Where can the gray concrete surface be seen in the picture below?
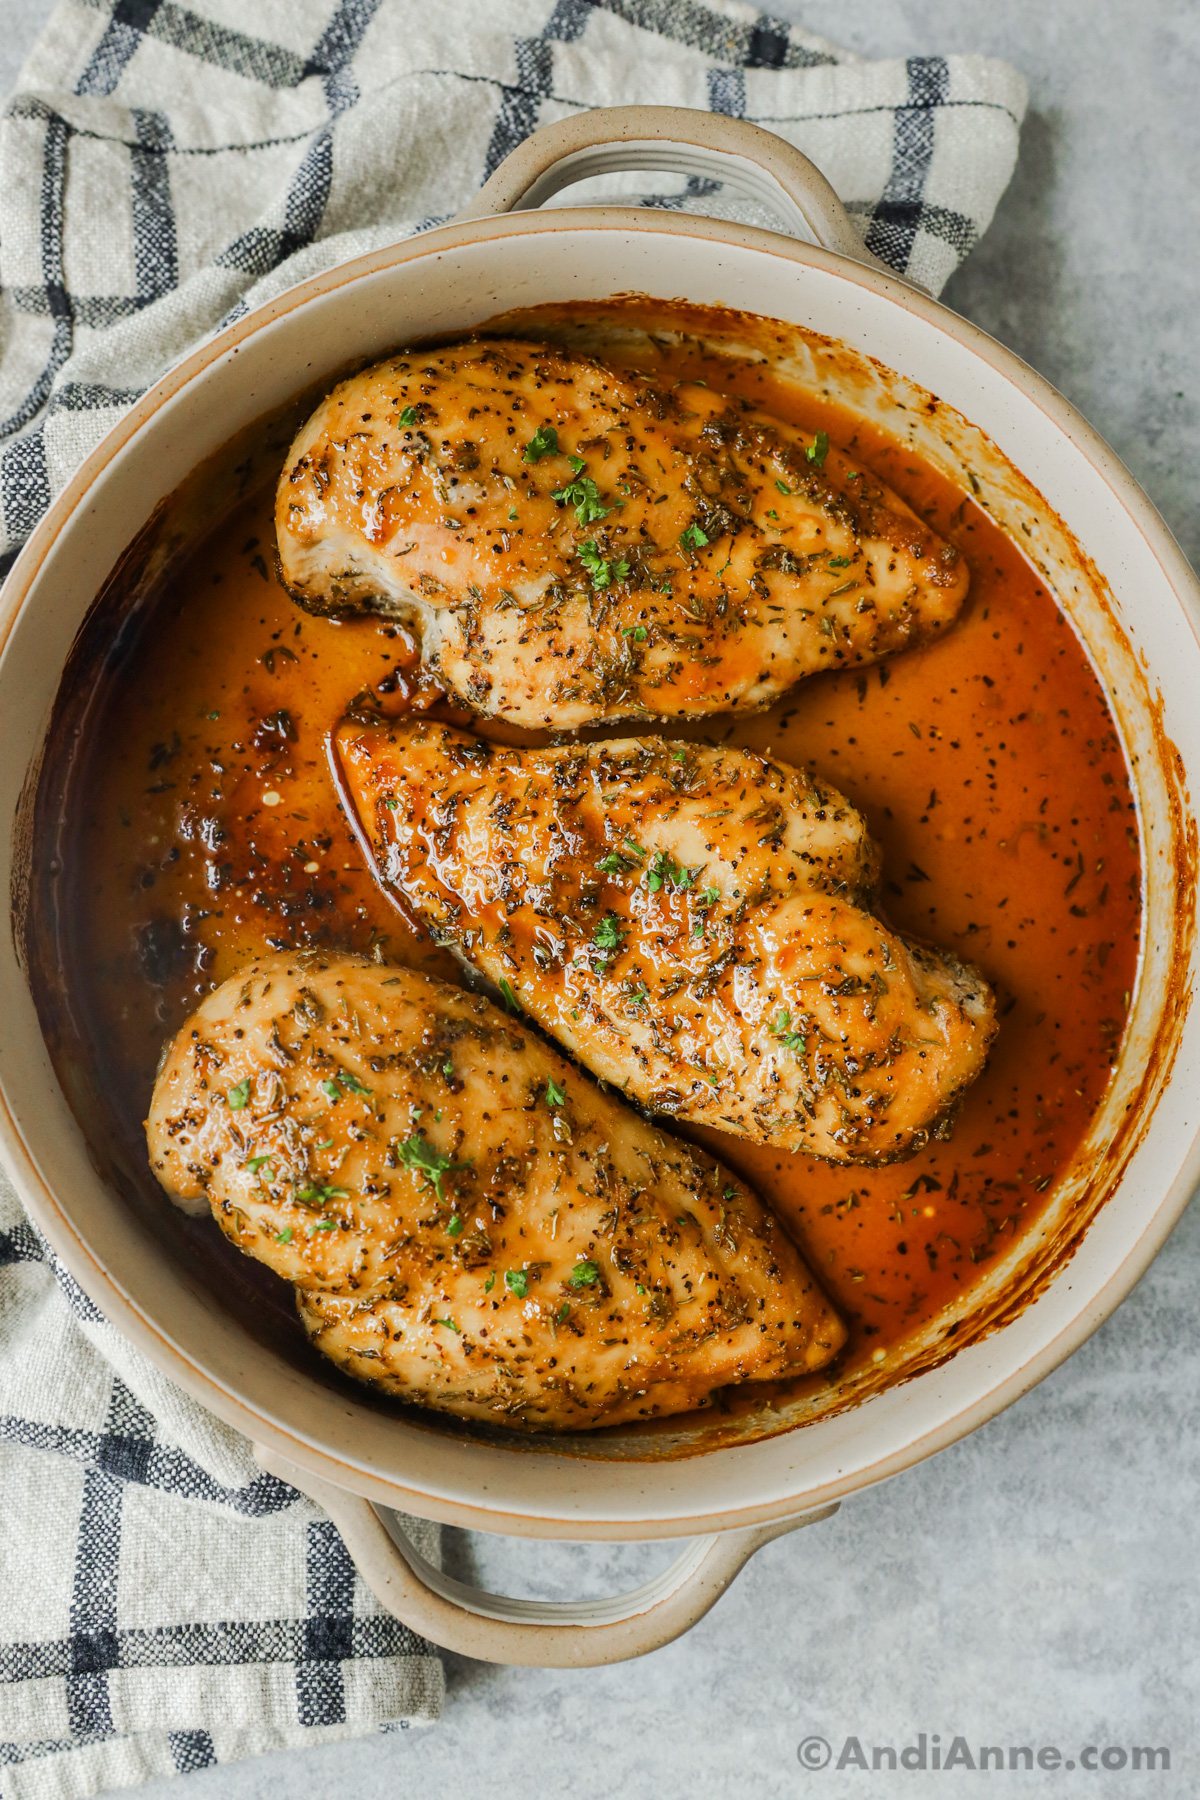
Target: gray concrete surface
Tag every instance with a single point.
(1036, 1583)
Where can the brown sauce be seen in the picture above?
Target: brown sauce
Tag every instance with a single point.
(204, 827)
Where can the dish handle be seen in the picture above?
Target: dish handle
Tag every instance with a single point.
(681, 140)
(546, 1634)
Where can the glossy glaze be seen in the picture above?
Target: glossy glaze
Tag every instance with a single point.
(985, 764)
(574, 543)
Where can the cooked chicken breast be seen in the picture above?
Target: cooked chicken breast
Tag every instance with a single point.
(469, 1222)
(576, 543)
(693, 923)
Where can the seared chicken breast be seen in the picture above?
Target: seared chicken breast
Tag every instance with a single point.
(468, 1221)
(576, 543)
(694, 924)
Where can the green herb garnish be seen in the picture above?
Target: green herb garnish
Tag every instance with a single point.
(818, 451)
(603, 573)
(319, 1192)
(555, 1095)
(612, 864)
(517, 1282)
(454, 1225)
(418, 1154)
(507, 995)
(839, 562)
(255, 1163)
(239, 1096)
(323, 1225)
(490, 1283)
(342, 1082)
(450, 1323)
(782, 486)
(694, 538)
(284, 1236)
(544, 442)
(663, 869)
(781, 1028)
(608, 934)
(584, 496)
(584, 1274)
(408, 417)
(637, 632)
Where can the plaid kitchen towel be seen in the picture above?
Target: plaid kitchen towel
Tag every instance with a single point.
(163, 168)
(164, 1604)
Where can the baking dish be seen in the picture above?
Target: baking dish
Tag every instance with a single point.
(976, 412)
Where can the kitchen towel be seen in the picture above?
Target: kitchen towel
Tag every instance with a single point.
(164, 1603)
(163, 169)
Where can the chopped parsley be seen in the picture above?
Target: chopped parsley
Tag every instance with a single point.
(608, 934)
(710, 896)
(544, 442)
(454, 1225)
(490, 1283)
(818, 450)
(239, 1096)
(782, 486)
(451, 1324)
(603, 573)
(636, 848)
(781, 1028)
(578, 464)
(255, 1163)
(517, 1282)
(612, 864)
(325, 1144)
(418, 1154)
(343, 1082)
(323, 1225)
(728, 1193)
(584, 1274)
(584, 496)
(663, 869)
(448, 1071)
(636, 632)
(408, 417)
(284, 1236)
(507, 995)
(555, 1095)
(318, 1193)
(694, 538)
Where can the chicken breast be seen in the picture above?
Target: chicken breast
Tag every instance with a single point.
(468, 1221)
(576, 543)
(693, 923)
